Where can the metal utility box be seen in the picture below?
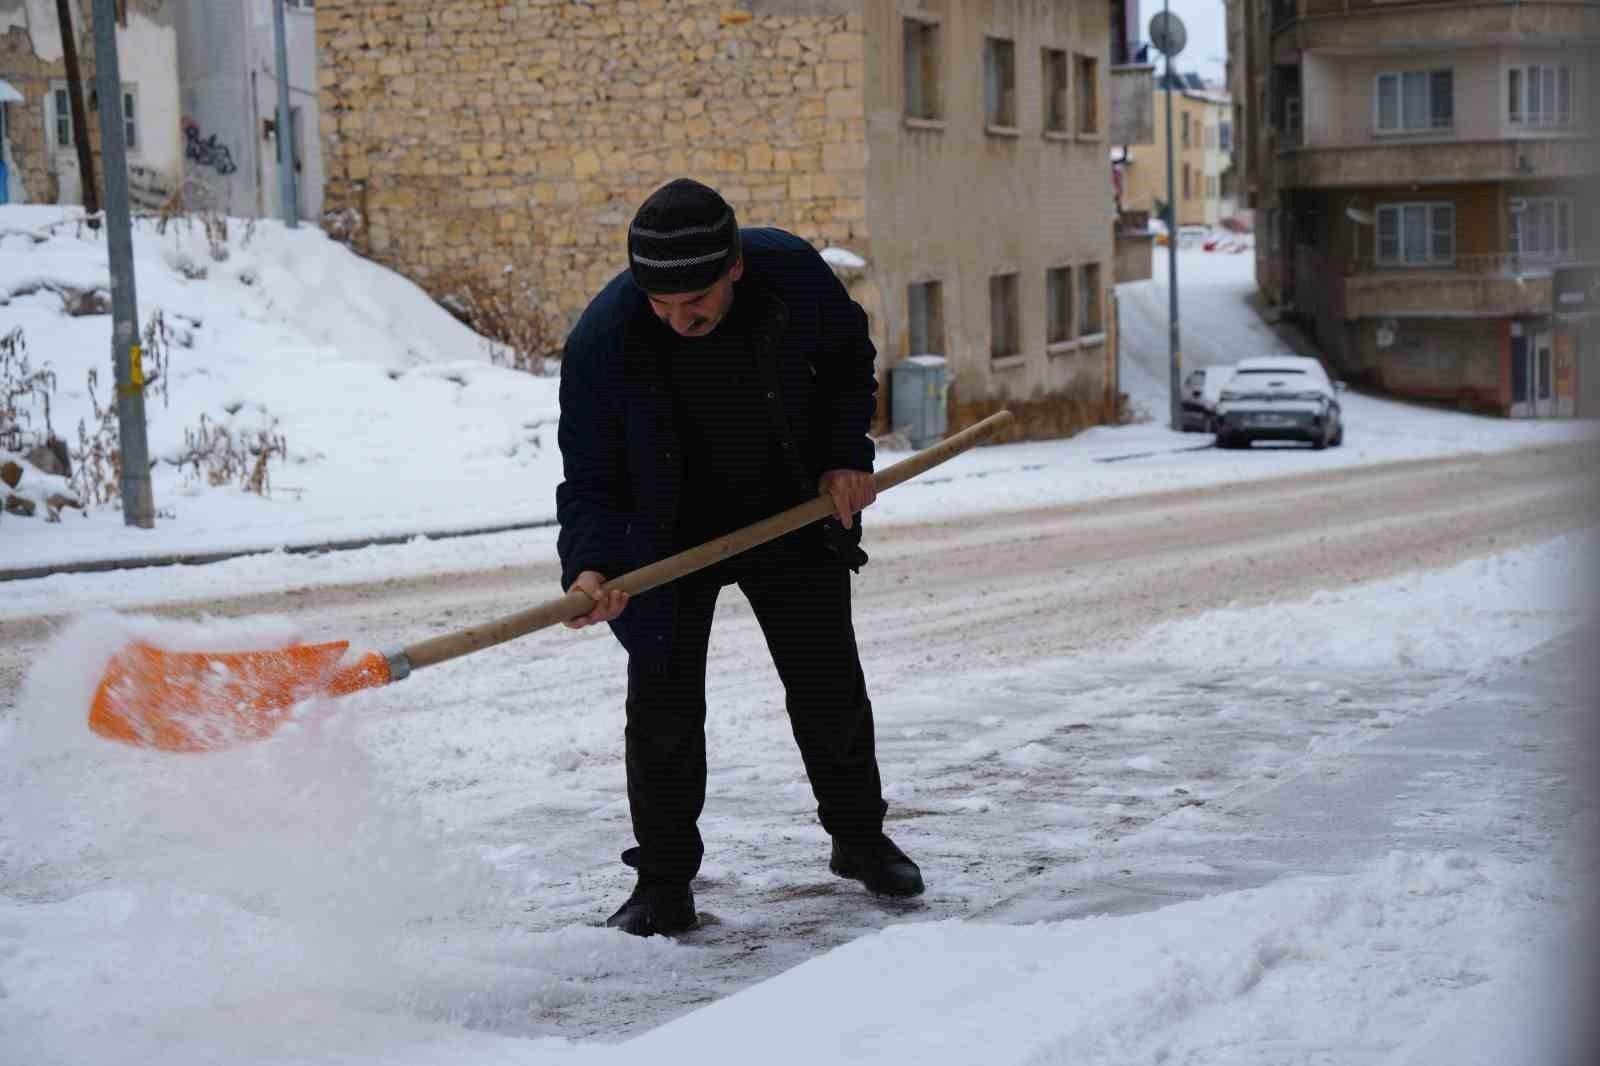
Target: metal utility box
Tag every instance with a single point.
(918, 387)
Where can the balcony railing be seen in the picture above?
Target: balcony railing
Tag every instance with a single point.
(1490, 264)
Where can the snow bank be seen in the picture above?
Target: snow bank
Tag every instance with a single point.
(1466, 617)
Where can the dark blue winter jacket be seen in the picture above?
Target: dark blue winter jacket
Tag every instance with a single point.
(618, 504)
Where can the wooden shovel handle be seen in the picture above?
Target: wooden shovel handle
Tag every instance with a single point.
(574, 604)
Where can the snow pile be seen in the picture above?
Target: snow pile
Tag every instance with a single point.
(1279, 974)
(391, 410)
(1466, 617)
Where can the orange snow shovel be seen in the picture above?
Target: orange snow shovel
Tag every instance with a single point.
(204, 701)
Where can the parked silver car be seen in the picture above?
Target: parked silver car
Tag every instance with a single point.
(1201, 390)
(1280, 397)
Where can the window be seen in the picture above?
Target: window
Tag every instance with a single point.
(1186, 193)
(1225, 136)
(999, 82)
(1540, 95)
(1089, 301)
(60, 116)
(1005, 334)
(921, 38)
(1186, 131)
(62, 121)
(1415, 101)
(130, 120)
(1543, 228)
(925, 314)
(1058, 297)
(1416, 234)
(1086, 90)
(1056, 115)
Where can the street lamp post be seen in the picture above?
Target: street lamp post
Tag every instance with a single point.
(1167, 33)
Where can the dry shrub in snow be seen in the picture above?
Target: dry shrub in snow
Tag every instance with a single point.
(509, 315)
(1044, 416)
(221, 456)
(23, 391)
(97, 460)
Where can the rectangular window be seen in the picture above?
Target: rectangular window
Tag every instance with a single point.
(999, 82)
(1089, 301)
(1225, 136)
(1539, 95)
(130, 120)
(1058, 296)
(1056, 84)
(1186, 181)
(1005, 317)
(1086, 91)
(1543, 229)
(63, 118)
(1415, 101)
(1186, 131)
(922, 62)
(925, 317)
(1416, 234)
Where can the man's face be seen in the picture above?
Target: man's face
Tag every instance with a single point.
(695, 314)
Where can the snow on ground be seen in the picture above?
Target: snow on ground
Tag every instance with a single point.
(409, 430)
(363, 889)
(316, 899)
(393, 415)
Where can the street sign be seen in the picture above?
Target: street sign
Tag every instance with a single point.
(1167, 33)
(1575, 290)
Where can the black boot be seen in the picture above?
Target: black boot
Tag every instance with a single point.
(878, 864)
(656, 907)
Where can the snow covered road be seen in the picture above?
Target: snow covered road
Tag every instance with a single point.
(1061, 694)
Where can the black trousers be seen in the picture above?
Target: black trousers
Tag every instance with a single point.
(804, 612)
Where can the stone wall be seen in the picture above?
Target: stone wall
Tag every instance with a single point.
(466, 137)
(30, 76)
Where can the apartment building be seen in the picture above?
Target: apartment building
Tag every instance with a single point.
(958, 147)
(1418, 171)
(1202, 129)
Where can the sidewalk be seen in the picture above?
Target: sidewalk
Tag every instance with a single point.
(1515, 761)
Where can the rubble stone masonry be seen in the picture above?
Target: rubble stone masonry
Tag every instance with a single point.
(473, 136)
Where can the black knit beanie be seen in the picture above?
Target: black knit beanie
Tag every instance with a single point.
(683, 239)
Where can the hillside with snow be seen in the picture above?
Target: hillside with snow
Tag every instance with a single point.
(392, 412)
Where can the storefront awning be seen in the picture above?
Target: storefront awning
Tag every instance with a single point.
(8, 94)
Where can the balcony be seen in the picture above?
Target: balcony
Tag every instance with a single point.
(1473, 286)
(1360, 25)
(1437, 162)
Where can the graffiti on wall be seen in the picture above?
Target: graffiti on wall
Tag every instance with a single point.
(206, 152)
(148, 189)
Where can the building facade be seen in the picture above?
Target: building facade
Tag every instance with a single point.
(1202, 128)
(1419, 172)
(229, 88)
(38, 144)
(958, 147)
(199, 102)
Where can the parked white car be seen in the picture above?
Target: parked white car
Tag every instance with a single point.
(1202, 389)
(1279, 397)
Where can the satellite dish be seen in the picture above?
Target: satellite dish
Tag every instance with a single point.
(1358, 216)
(1167, 33)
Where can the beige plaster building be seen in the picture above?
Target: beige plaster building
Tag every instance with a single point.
(1202, 126)
(958, 146)
(1419, 173)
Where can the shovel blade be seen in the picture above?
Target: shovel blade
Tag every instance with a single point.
(204, 701)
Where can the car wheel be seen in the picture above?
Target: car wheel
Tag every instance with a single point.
(1320, 441)
(1338, 436)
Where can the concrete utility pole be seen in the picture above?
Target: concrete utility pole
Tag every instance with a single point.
(1170, 39)
(138, 505)
(80, 118)
(288, 191)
